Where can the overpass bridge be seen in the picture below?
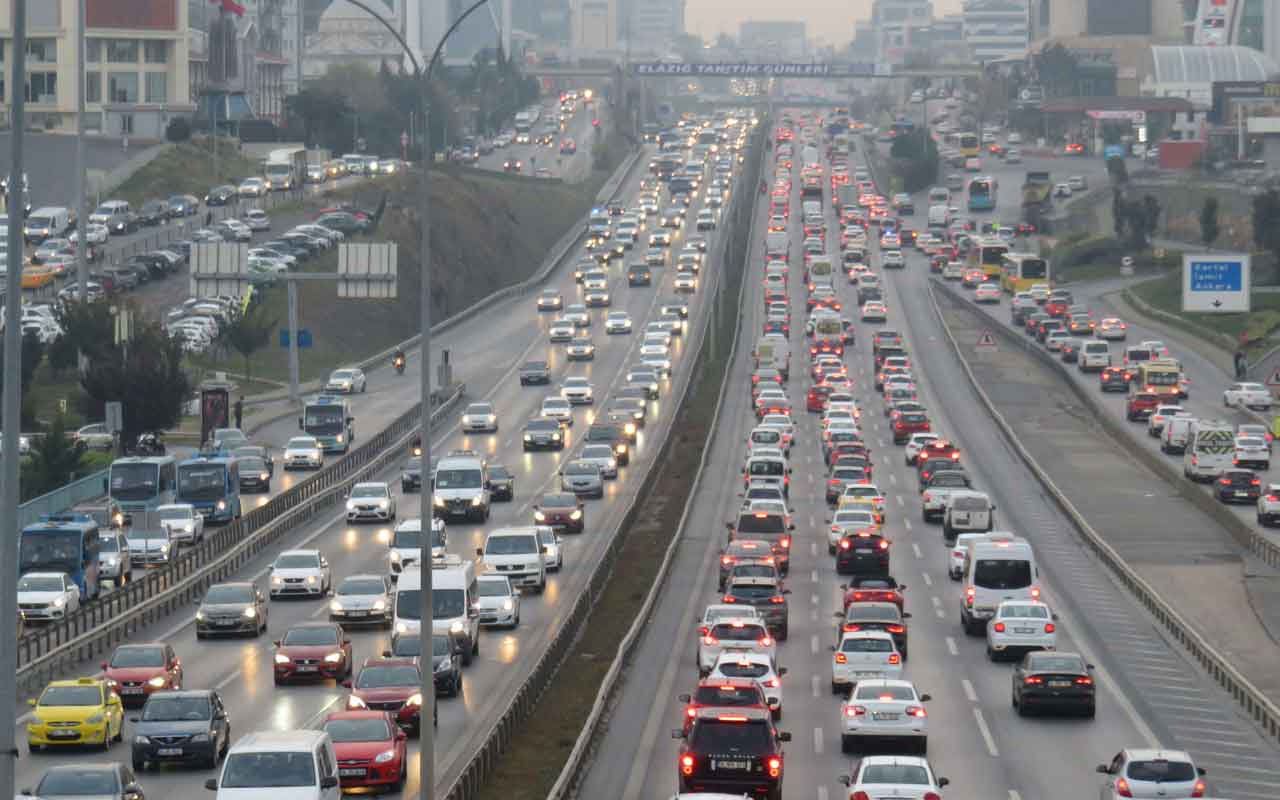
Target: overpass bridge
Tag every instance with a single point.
(748, 70)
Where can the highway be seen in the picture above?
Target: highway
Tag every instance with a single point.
(486, 360)
(978, 741)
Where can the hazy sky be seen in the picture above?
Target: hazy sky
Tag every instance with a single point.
(830, 20)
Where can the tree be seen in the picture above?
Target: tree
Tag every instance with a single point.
(1266, 221)
(178, 130)
(53, 462)
(1136, 219)
(323, 115)
(86, 327)
(247, 333)
(1209, 230)
(1057, 68)
(148, 380)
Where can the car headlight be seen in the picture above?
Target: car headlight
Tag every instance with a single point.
(335, 606)
(355, 702)
(576, 514)
(199, 738)
(456, 626)
(379, 605)
(414, 700)
(507, 605)
(528, 437)
(384, 756)
(140, 739)
(199, 616)
(264, 476)
(351, 505)
(95, 719)
(555, 437)
(333, 658)
(249, 613)
(59, 602)
(281, 658)
(338, 439)
(475, 501)
(164, 548)
(222, 505)
(395, 556)
(539, 516)
(620, 448)
(157, 681)
(311, 579)
(384, 504)
(276, 579)
(110, 563)
(438, 501)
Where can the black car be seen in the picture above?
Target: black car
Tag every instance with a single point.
(122, 277)
(195, 718)
(862, 553)
(446, 666)
(104, 779)
(183, 205)
(1113, 379)
(157, 266)
(613, 435)
(877, 616)
(932, 465)
(259, 452)
(221, 195)
(122, 223)
(639, 275)
(502, 484)
(411, 475)
(1058, 681)
(343, 222)
(633, 406)
(153, 212)
(543, 434)
(254, 475)
(534, 372)
(738, 753)
(1238, 486)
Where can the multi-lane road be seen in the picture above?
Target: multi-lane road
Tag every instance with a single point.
(977, 740)
(486, 360)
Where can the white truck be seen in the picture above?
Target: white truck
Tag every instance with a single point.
(286, 168)
(1210, 447)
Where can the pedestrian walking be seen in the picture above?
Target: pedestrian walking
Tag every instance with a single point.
(239, 410)
(1241, 365)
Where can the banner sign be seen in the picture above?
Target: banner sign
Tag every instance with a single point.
(749, 70)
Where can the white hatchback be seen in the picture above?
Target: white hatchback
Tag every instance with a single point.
(861, 655)
(1020, 626)
(758, 666)
(734, 635)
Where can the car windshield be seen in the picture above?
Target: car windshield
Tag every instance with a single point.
(559, 501)
(1002, 573)
(29, 583)
(229, 595)
(510, 545)
(457, 478)
(303, 443)
(751, 738)
(730, 632)
(138, 657)
(1160, 770)
(1024, 612)
(1041, 662)
(71, 696)
(500, 588)
(108, 544)
(479, 409)
(766, 467)
(753, 591)
(361, 586)
(76, 781)
(310, 637)
(166, 707)
(866, 644)
(499, 473)
(365, 729)
(264, 770)
(895, 773)
(872, 692)
(369, 491)
(581, 468)
(297, 561)
(378, 677)
(754, 571)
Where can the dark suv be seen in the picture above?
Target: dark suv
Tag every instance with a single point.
(188, 726)
(1238, 486)
(876, 616)
(738, 752)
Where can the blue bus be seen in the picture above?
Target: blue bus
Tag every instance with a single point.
(982, 194)
(211, 483)
(63, 543)
(143, 483)
(328, 418)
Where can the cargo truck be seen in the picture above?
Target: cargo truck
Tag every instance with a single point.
(1037, 189)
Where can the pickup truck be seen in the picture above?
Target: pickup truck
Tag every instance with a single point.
(933, 500)
(534, 372)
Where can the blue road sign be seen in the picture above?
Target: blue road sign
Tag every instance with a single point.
(1216, 282)
(1216, 276)
(304, 338)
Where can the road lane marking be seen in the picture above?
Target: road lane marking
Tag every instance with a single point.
(1013, 795)
(814, 683)
(970, 694)
(814, 576)
(813, 548)
(915, 548)
(927, 580)
(951, 646)
(894, 480)
(813, 598)
(814, 644)
(822, 793)
(986, 733)
(906, 523)
(817, 740)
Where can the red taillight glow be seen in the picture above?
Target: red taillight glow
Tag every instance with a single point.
(998, 627)
(691, 712)
(894, 658)
(841, 658)
(916, 711)
(1035, 592)
(1122, 788)
(1032, 680)
(1049, 627)
(854, 711)
(1082, 681)
(1199, 789)
(777, 599)
(844, 544)
(786, 541)
(860, 796)
(764, 641)
(686, 764)
(895, 629)
(710, 641)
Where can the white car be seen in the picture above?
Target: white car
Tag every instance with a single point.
(1253, 396)
(955, 558)
(95, 436)
(597, 298)
(743, 664)
(94, 233)
(257, 220)
(890, 241)
(1162, 414)
(617, 322)
(1269, 506)
(558, 408)
(550, 300)
(47, 595)
(718, 612)
(706, 220)
(897, 777)
(848, 521)
(252, 187)
(578, 315)
(300, 572)
(1061, 190)
(182, 521)
(580, 348)
(734, 635)
(363, 599)
(953, 271)
(499, 601)
(561, 330)
(879, 710)
(863, 654)
(603, 457)
(371, 500)
(892, 258)
(685, 282)
(479, 418)
(1019, 626)
(1111, 328)
(917, 443)
(553, 549)
(303, 452)
(987, 293)
(577, 390)
(873, 311)
(1252, 452)
(347, 380)
(595, 280)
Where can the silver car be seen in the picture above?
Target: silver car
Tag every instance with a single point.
(551, 542)
(582, 478)
(1144, 773)
(362, 599)
(499, 602)
(602, 456)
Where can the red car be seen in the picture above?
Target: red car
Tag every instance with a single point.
(561, 510)
(910, 422)
(1073, 149)
(868, 589)
(135, 671)
(723, 694)
(393, 685)
(313, 651)
(816, 399)
(370, 748)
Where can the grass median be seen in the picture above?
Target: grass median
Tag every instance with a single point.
(1165, 294)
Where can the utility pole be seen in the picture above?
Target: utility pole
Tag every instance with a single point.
(300, 48)
(82, 247)
(12, 406)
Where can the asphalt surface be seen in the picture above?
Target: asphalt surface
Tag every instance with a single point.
(978, 741)
(486, 361)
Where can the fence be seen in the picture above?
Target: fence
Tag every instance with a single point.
(62, 498)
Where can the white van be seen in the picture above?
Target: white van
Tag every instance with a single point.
(1210, 448)
(405, 546)
(821, 272)
(967, 512)
(287, 765)
(940, 195)
(777, 244)
(461, 483)
(771, 352)
(454, 595)
(998, 567)
(1176, 434)
(47, 223)
(517, 554)
(1094, 355)
(768, 469)
(109, 208)
(939, 216)
(811, 208)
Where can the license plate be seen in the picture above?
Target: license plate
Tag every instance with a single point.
(883, 715)
(351, 772)
(866, 673)
(1059, 684)
(307, 668)
(225, 623)
(131, 690)
(864, 550)
(357, 613)
(720, 764)
(62, 734)
(1024, 630)
(169, 751)
(1242, 494)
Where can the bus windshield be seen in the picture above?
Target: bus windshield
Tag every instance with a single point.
(324, 419)
(202, 481)
(1161, 377)
(51, 551)
(1034, 268)
(991, 254)
(134, 481)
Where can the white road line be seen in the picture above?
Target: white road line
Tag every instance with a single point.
(951, 647)
(813, 523)
(814, 644)
(822, 793)
(814, 576)
(813, 614)
(927, 580)
(893, 479)
(813, 548)
(315, 718)
(813, 598)
(898, 497)
(986, 733)
(1013, 795)
(817, 740)
(815, 684)
(969, 692)
(939, 613)
(906, 523)
(915, 548)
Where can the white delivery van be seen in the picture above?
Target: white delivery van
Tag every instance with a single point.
(454, 596)
(939, 215)
(811, 208)
(517, 554)
(967, 512)
(461, 483)
(821, 272)
(771, 352)
(998, 567)
(47, 223)
(771, 469)
(287, 765)
(1094, 356)
(1210, 448)
(1176, 434)
(405, 546)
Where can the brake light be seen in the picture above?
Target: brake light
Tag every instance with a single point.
(860, 796)
(894, 658)
(1084, 681)
(931, 796)
(1122, 788)
(1032, 680)
(686, 764)
(764, 641)
(896, 629)
(728, 598)
(1198, 791)
(916, 711)
(998, 627)
(691, 712)
(844, 544)
(841, 658)
(777, 599)
(1049, 627)
(884, 544)
(772, 683)
(710, 641)
(775, 766)
(851, 627)
(1255, 482)
(726, 560)
(854, 711)
(1035, 592)
(786, 541)
(968, 596)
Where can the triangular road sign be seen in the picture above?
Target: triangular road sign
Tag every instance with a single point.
(985, 341)
(1274, 380)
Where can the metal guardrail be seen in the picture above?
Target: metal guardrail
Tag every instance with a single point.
(1264, 712)
(113, 618)
(481, 765)
(566, 784)
(61, 499)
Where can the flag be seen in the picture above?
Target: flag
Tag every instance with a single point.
(230, 6)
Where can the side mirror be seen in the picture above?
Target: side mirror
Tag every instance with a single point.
(104, 665)
(782, 671)
(276, 643)
(845, 780)
(480, 551)
(1088, 666)
(729, 525)
(943, 782)
(134, 720)
(906, 615)
(329, 782)
(401, 736)
(543, 549)
(1201, 771)
(350, 420)
(211, 784)
(786, 591)
(784, 736)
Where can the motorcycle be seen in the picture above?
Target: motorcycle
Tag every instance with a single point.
(148, 444)
(416, 446)
(398, 363)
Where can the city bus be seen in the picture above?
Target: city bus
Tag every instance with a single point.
(1161, 377)
(968, 143)
(328, 418)
(143, 483)
(1021, 270)
(982, 193)
(63, 543)
(987, 253)
(211, 484)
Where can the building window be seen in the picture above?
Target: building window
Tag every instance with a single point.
(4, 45)
(42, 87)
(42, 51)
(93, 50)
(156, 52)
(122, 87)
(156, 87)
(93, 87)
(126, 123)
(122, 51)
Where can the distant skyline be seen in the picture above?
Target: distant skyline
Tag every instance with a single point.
(829, 20)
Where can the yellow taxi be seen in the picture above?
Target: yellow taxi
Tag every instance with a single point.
(863, 495)
(76, 712)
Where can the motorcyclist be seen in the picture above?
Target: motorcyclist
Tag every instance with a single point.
(398, 360)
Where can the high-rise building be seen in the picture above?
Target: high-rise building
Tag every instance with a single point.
(772, 40)
(1159, 20)
(594, 26)
(650, 26)
(996, 29)
(899, 27)
(1249, 23)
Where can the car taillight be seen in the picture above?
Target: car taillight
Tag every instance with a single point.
(884, 545)
(998, 627)
(968, 596)
(845, 544)
(691, 712)
(931, 796)
(894, 658)
(841, 658)
(726, 560)
(854, 711)
(772, 683)
(777, 599)
(1049, 627)
(957, 553)
(1035, 592)
(896, 629)
(710, 641)
(860, 796)
(775, 766)
(1122, 788)
(1084, 681)
(1032, 680)
(786, 541)
(916, 711)
(728, 598)
(1255, 482)
(686, 764)
(764, 641)
(1199, 789)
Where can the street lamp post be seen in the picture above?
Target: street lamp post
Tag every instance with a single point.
(426, 718)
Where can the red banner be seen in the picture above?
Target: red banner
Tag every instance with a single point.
(136, 14)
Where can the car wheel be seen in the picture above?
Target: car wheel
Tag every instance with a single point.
(1091, 710)
(139, 765)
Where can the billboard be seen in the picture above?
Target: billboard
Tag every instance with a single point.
(154, 15)
(1227, 92)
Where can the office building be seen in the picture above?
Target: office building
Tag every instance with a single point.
(1159, 20)
(593, 26)
(996, 29)
(651, 26)
(774, 40)
(900, 27)
(1248, 23)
